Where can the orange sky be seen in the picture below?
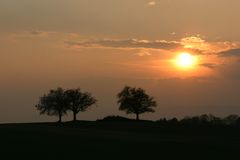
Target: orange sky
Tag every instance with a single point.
(101, 46)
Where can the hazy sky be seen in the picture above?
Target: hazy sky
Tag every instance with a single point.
(103, 45)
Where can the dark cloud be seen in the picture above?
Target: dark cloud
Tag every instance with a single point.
(129, 43)
(230, 53)
(40, 33)
(35, 32)
(209, 65)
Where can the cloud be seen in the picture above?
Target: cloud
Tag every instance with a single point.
(38, 33)
(209, 65)
(123, 44)
(152, 3)
(192, 39)
(144, 47)
(35, 32)
(196, 45)
(230, 53)
(193, 44)
(31, 34)
(200, 46)
(144, 52)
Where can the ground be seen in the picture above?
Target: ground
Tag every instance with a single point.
(117, 140)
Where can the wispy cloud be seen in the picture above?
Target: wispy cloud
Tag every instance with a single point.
(209, 65)
(127, 43)
(144, 52)
(193, 44)
(39, 33)
(201, 46)
(152, 3)
(32, 33)
(230, 53)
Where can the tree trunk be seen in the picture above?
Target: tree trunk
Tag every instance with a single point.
(60, 118)
(137, 116)
(74, 116)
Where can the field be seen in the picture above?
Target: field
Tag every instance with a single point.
(117, 140)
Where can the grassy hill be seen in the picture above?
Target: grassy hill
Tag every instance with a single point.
(117, 140)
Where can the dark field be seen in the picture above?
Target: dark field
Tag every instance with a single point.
(118, 140)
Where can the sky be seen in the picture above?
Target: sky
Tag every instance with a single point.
(102, 46)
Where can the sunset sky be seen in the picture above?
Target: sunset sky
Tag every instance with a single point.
(185, 53)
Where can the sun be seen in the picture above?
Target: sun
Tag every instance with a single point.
(186, 60)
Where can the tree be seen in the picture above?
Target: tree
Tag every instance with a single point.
(231, 119)
(79, 101)
(135, 100)
(53, 103)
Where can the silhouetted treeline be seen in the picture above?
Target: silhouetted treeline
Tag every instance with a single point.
(57, 102)
(135, 101)
(202, 120)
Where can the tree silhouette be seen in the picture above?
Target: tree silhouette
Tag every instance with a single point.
(231, 119)
(79, 101)
(53, 103)
(135, 100)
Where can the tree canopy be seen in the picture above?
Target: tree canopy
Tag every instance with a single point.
(53, 103)
(135, 100)
(79, 101)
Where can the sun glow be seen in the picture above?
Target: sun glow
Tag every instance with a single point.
(186, 60)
